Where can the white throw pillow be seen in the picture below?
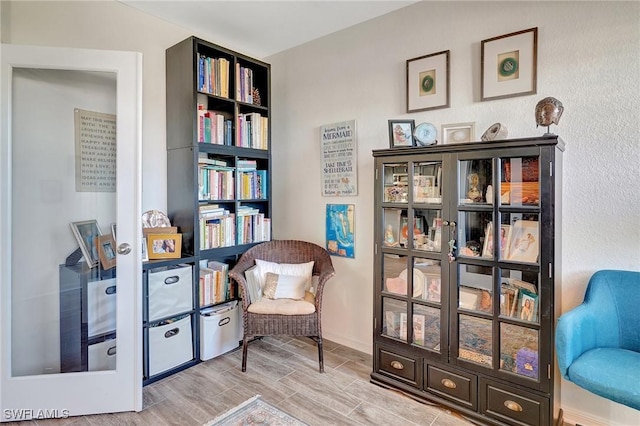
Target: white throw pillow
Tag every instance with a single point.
(295, 269)
(252, 276)
(284, 286)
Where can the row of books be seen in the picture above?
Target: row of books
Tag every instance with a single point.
(252, 226)
(213, 76)
(213, 127)
(217, 228)
(244, 84)
(215, 182)
(252, 185)
(214, 283)
(252, 131)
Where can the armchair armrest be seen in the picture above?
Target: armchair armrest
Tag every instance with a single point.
(576, 333)
(237, 274)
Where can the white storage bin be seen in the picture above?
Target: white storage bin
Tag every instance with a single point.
(170, 292)
(170, 345)
(101, 307)
(220, 330)
(102, 356)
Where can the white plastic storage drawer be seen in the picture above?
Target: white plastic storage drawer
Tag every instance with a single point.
(170, 292)
(102, 356)
(220, 330)
(170, 345)
(101, 307)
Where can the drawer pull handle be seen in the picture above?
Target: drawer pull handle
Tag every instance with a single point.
(397, 365)
(171, 333)
(172, 280)
(512, 405)
(110, 290)
(449, 384)
(111, 351)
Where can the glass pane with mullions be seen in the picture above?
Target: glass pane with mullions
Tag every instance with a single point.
(475, 181)
(396, 181)
(519, 348)
(474, 234)
(426, 327)
(520, 295)
(427, 233)
(475, 288)
(475, 340)
(394, 318)
(427, 182)
(523, 239)
(394, 274)
(519, 183)
(427, 280)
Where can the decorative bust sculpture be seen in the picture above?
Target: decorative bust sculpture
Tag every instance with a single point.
(548, 111)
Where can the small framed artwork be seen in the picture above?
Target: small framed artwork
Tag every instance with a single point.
(508, 65)
(469, 297)
(487, 248)
(401, 133)
(106, 246)
(340, 229)
(433, 288)
(458, 133)
(145, 250)
(164, 246)
(86, 233)
(428, 82)
(528, 306)
(523, 244)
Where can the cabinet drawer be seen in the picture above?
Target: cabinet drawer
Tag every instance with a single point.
(101, 307)
(397, 366)
(458, 386)
(102, 356)
(170, 344)
(170, 292)
(514, 406)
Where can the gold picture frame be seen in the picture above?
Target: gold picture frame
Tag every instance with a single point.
(106, 247)
(164, 246)
(509, 65)
(428, 82)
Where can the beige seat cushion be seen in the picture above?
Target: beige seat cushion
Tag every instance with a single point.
(284, 306)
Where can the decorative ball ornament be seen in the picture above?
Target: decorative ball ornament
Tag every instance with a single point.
(548, 111)
(496, 132)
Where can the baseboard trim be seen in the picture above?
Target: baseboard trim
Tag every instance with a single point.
(572, 417)
(353, 344)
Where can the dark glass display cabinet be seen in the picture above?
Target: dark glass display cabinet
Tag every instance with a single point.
(467, 256)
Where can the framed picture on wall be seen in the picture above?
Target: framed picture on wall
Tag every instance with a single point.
(509, 65)
(428, 82)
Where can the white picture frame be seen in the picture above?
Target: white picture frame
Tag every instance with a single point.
(458, 133)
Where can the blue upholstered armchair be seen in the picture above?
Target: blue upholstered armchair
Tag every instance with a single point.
(598, 342)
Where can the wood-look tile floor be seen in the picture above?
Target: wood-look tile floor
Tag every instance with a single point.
(285, 373)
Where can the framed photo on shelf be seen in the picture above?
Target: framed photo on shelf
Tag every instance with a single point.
(434, 288)
(469, 297)
(509, 65)
(145, 250)
(86, 233)
(458, 133)
(428, 82)
(423, 188)
(164, 246)
(106, 246)
(503, 240)
(524, 245)
(528, 306)
(113, 231)
(487, 247)
(401, 133)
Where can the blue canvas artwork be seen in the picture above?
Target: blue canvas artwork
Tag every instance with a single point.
(340, 230)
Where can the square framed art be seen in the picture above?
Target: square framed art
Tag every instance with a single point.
(509, 65)
(401, 133)
(458, 133)
(428, 82)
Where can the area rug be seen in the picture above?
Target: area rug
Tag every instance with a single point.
(255, 411)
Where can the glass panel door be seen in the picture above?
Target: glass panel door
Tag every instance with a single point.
(70, 177)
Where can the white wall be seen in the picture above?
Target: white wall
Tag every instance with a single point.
(588, 57)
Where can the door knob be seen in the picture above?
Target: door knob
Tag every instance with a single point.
(124, 248)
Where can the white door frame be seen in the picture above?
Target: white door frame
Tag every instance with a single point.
(88, 392)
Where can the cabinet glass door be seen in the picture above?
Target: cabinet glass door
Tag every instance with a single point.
(70, 334)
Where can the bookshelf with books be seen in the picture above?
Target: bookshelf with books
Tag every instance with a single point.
(218, 160)
(464, 309)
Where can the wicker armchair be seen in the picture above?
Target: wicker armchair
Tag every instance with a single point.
(309, 325)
